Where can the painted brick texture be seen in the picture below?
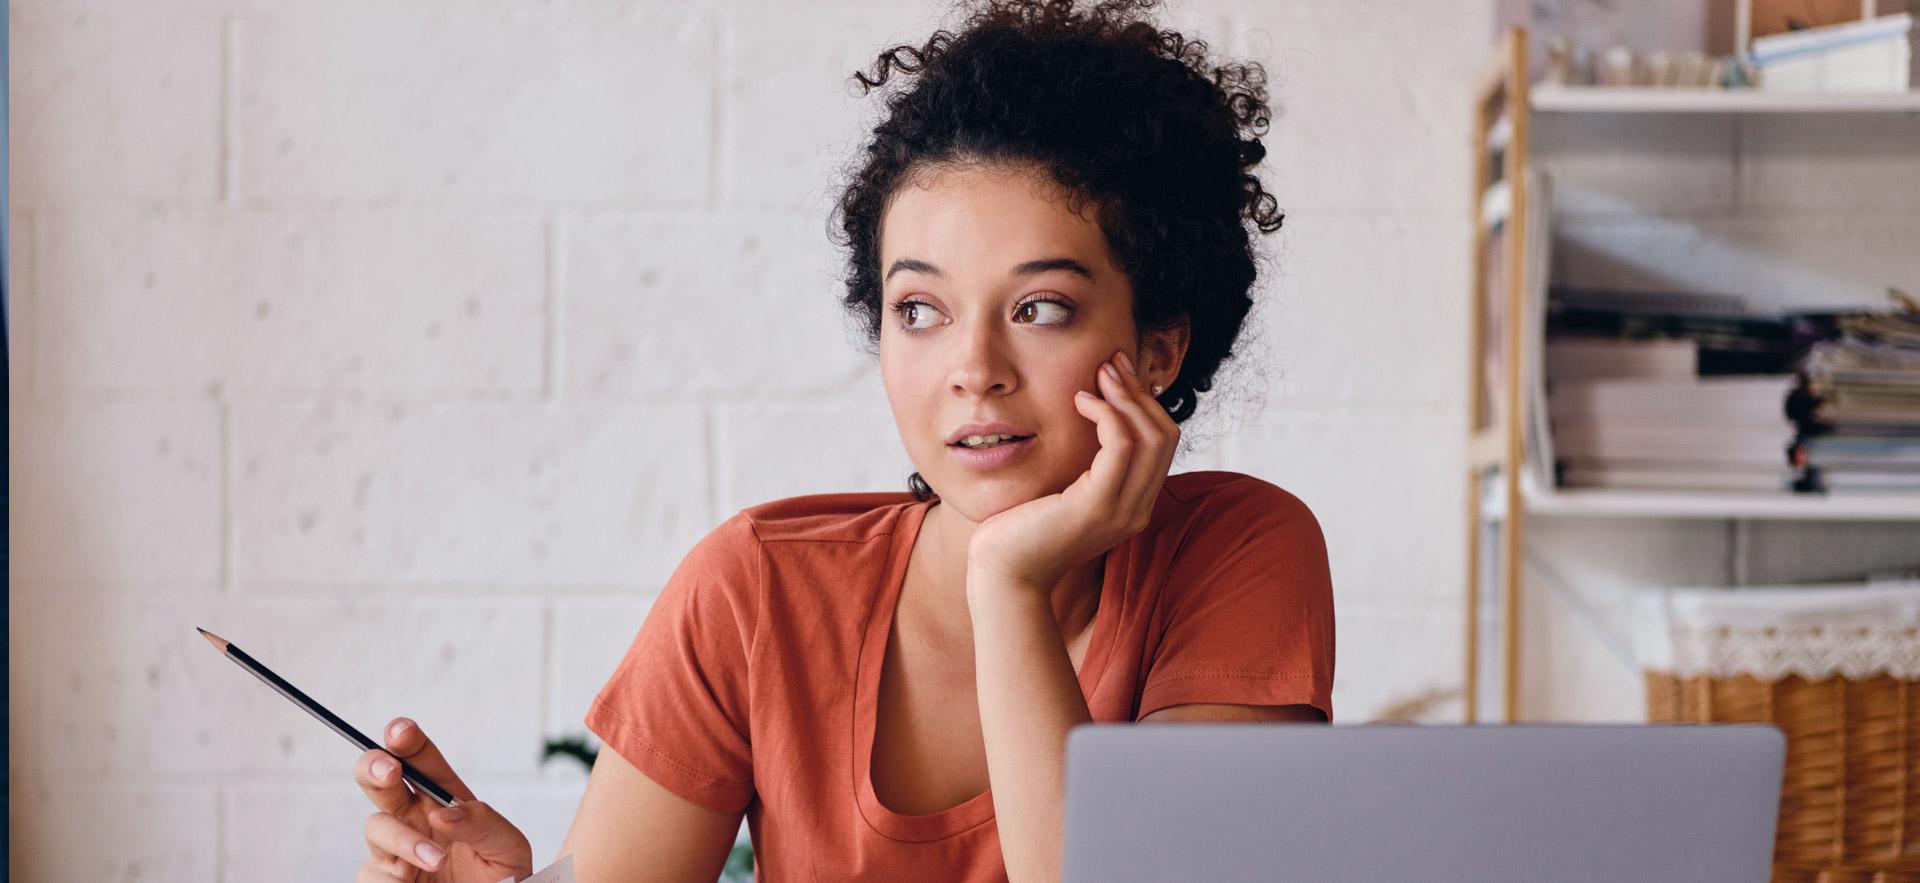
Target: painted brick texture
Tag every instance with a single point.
(410, 346)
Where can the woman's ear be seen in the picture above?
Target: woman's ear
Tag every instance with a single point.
(1161, 354)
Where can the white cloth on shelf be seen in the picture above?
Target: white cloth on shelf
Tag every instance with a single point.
(1853, 630)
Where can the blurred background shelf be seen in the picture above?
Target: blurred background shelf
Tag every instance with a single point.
(1777, 199)
(1619, 99)
(1781, 506)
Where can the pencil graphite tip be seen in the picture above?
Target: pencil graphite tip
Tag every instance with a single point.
(215, 640)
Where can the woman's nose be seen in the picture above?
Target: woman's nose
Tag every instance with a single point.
(982, 368)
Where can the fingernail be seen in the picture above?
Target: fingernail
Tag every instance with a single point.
(1126, 363)
(399, 729)
(452, 814)
(1083, 394)
(382, 769)
(1108, 370)
(428, 853)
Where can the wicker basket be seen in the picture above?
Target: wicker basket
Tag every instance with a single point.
(1850, 797)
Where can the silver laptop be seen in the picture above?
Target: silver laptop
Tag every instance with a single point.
(1489, 803)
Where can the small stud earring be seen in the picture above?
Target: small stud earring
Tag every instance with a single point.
(1156, 389)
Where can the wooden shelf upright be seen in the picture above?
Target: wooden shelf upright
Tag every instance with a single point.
(1496, 439)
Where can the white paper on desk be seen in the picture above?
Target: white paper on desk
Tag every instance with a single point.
(558, 872)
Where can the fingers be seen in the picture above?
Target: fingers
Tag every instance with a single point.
(1151, 432)
(407, 741)
(1157, 433)
(379, 778)
(1107, 476)
(1150, 406)
(375, 872)
(479, 826)
(388, 837)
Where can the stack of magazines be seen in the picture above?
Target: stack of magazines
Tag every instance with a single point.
(1857, 406)
(1664, 391)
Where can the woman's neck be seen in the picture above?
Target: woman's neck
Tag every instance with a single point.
(1075, 599)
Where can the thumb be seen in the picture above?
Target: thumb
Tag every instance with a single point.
(479, 826)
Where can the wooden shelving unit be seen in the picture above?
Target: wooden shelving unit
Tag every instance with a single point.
(1496, 440)
(1504, 492)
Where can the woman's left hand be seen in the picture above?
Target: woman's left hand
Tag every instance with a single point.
(1038, 542)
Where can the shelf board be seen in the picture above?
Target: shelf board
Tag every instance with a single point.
(1621, 99)
(1709, 505)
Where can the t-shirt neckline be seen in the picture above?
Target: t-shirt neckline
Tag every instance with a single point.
(976, 810)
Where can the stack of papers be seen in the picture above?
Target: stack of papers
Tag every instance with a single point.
(1870, 55)
(1858, 406)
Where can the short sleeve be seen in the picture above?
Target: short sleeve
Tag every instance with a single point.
(676, 705)
(1248, 607)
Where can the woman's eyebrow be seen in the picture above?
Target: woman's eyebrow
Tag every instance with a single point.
(1029, 268)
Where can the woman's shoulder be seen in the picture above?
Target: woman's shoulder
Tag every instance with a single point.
(1215, 510)
(1242, 529)
(730, 566)
(852, 517)
(735, 546)
(1220, 489)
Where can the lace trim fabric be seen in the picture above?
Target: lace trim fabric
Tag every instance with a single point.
(1819, 632)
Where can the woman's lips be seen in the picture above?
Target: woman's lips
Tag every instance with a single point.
(996, 457)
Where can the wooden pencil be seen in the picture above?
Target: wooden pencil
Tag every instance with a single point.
(254, 667)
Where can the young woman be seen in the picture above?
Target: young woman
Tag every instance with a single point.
(1049, 252)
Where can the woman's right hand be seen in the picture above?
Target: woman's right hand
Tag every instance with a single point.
(412, 837)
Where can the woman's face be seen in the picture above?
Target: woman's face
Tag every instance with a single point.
(998, 305)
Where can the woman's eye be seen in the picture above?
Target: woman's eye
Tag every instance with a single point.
(1033, 307)
(908, 311)
(911, 310)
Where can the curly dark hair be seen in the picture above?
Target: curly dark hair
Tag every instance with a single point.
(1127, 118)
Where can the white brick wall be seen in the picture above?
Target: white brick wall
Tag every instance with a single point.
(115, 107)
(410, 346)
(277, 301)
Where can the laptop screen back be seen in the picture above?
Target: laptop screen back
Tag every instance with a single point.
(1226, 802)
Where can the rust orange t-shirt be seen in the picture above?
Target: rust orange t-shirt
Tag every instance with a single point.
(753, 681)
